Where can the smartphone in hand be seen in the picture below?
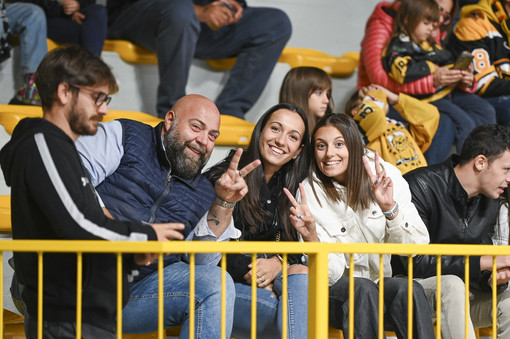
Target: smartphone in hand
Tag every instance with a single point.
(463, 61)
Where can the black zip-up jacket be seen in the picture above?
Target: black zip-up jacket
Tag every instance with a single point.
(451, 218)
(52, 198)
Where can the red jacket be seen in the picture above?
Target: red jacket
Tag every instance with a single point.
(377, 33)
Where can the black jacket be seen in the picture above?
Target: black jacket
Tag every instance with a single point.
(451, 218)
(52, 198)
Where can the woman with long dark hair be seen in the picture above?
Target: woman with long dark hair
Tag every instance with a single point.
(280, 140)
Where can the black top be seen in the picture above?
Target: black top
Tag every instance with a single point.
(270, 230)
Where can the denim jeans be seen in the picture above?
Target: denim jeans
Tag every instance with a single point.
(91, 34)
(467, 111)
(269, 309)
(28, 21)
(502, 106)
(366, 301)
(172, 30)
(140, 315)
(443, 139)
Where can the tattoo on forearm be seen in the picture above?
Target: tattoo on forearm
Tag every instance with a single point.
(213, 218)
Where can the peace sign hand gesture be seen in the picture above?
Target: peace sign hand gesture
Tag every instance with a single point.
(301, 217)
(382, 186)
(231, 186)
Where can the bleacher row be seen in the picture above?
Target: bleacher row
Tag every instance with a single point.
(234, 132)
(336, 66)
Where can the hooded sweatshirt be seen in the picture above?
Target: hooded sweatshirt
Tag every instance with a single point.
(52, 198)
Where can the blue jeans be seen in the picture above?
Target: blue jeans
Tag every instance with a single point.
(467, 111)
(172, 30)
(140, 315)
(28, 21)
(269, 309)
(366, 301)
(502, 106)
(441, 142)
(91, 34)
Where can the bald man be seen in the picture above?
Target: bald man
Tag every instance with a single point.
(154, 175)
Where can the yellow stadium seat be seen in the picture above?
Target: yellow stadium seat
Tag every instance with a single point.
(234, 132)
(341, 66)
(337, 66)
(5, 213)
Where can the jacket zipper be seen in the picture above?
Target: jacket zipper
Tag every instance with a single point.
(161, 197)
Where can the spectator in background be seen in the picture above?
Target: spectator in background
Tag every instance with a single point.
(458, 200)
(29, 23)
(81, 22)
(412, 54)
(399, 146)
(482, 30)
(377, 32)
(52, 198)
(310, 89)
(181, 30)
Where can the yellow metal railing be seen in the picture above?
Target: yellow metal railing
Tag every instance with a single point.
(318, 272)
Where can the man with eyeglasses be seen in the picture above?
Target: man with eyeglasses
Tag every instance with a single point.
(483, 30)
(52, 198)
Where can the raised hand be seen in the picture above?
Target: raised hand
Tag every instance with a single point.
(382, 186)
(231, 186)
(301, 217)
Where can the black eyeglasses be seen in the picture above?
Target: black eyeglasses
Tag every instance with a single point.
(100, 97)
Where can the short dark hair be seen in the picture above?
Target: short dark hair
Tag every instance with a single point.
(490, 141)
(72, 64)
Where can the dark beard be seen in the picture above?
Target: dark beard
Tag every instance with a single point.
(183, 166)
(78, 122)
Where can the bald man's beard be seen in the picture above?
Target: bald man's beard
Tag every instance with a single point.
(183, 165)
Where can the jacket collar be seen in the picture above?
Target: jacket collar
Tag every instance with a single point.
(456, 189)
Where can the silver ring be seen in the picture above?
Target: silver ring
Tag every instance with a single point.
(296, 219)
(300, 216)
(262, 279)
(241, 174)
(378, 180)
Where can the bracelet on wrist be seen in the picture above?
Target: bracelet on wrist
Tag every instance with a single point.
(223, 203)
(279, 258)
(392, 212)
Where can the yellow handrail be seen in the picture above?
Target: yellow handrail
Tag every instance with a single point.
(317, 253)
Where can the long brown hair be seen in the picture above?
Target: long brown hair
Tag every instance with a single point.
(299, 83)
(359, 191)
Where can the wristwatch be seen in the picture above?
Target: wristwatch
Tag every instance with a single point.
(223, 203)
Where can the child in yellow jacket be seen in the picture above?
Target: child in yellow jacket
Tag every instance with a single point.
(395, 143)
